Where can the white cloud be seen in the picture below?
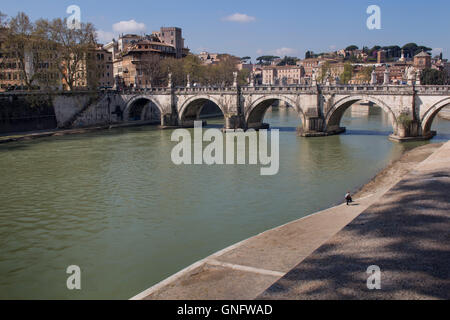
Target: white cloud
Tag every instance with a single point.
(259, 51)
(129, 27)
(333, 47)
(281, 52)
(104, 36)
(239, 17)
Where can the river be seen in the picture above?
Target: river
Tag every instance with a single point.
(113, 203)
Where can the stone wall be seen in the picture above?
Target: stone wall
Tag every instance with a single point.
(26, 113)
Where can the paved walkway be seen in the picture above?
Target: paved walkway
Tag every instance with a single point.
(245, 270)
(406, 234)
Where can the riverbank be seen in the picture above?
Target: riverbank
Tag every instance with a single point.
(246, 269)
(21, 136)
(404, 235)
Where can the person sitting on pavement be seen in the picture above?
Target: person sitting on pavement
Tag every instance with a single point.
(348, 198)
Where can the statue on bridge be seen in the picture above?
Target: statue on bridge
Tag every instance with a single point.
(235, 82)
(169, 85)
(410, 74)
(188, 84)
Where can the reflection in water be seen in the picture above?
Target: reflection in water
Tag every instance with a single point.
(113, 203)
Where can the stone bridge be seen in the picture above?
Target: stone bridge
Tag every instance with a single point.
(411, 109)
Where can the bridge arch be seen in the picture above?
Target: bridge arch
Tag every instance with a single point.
(334, 115)
(190, 110)
(139, 105)
(254, 115)
(430, 114)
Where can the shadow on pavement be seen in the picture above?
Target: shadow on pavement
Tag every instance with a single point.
(406, 235)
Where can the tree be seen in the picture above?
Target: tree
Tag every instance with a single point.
(266, 60)
(392, 52)
(288, 61)
(75, 59)
(323, 73)
(29, 51)
(351, 48)
(152, 69)
(243, 76)
(309, 54)
(373, 51)
(411, 49)
(347, 75)
(434, 77)
(245, 59)
(217, 74)
(366, 73)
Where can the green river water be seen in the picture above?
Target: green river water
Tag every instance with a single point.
(113, 203)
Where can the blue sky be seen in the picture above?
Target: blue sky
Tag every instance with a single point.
(281, 27)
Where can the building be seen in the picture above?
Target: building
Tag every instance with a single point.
(275, 75)
(247, 66)
(309, 65)
(422, 61)
(208, 58)
(134, 56)
(173, 36)
(381, 56)
(43, 72)
(10, 74)
(136, 65)
(105, 70)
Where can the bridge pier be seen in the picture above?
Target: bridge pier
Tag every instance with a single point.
(169, 120)
(314, 127)
(410, 131)
(233, 122)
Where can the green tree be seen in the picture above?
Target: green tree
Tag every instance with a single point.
(434, 77)
(323, 73)
(366, 73)
(243, 77)
(411, 49)
(288, 61)
(351, 48)
(266, 60)
(347, 75)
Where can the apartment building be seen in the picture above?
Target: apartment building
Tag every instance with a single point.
(136, 65)
(174, 37)
(133, 55)
(276, 75)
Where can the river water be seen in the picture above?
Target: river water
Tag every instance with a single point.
(113, 203)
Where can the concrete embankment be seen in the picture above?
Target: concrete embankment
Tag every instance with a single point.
(247, 269)
(405, 234)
